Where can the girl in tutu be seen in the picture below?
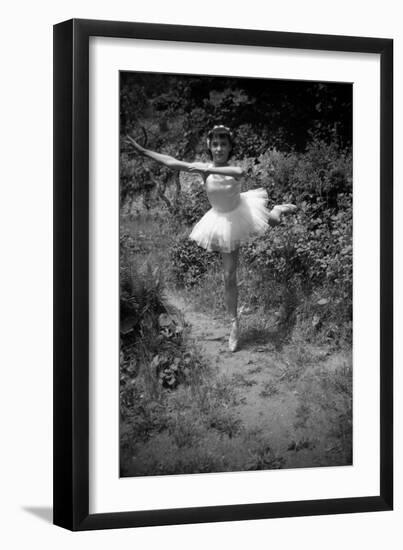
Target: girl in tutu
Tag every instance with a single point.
(234, 217)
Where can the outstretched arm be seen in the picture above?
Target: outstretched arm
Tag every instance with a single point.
(234, 171)
(195, 167)
(206, 169)
(166, 160)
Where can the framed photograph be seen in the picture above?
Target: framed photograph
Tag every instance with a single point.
(223, 274)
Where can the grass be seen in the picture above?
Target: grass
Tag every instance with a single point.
(193, 422)
(277, 310)
(241, 381)
(197, 426)
(269, 389)
(324, 406)
(152, 237)
(264, 458)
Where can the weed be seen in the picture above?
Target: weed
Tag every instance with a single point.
(302, 413)
(165, 458)
(240, 380)
(301, 444)
(255, 370)
(269, 389)
(224, 392)
(264, 458)
(184, 430)
(224, 421)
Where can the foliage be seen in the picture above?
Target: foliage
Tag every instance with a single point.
(309, 254)
(320, 176)
(141, 298)
(294, 139)
(176, 415)
(315, 250)
(172, 369)
(264, 458)
(193, 205)
(307, 258)
(152, 334)
(189, 262)
(155, 354)
(176, 111)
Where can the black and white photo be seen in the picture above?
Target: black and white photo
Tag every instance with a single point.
(235, 274)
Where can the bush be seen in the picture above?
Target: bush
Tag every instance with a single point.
(153, 335)
(193, 204)
(141, 298)
(321, 175)
(311, 252)
(189, 261)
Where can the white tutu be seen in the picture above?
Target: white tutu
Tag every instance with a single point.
(226, 231)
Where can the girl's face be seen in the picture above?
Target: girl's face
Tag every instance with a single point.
(220, 148)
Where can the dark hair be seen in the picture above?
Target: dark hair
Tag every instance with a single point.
(220, 130)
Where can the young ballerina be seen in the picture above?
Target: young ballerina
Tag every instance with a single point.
(234, 217)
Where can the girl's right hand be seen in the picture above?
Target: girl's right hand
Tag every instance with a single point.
(198, 167)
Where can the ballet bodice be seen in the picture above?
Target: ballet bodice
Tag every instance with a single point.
(223, 192)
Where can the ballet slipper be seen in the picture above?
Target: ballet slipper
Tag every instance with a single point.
(284, 209)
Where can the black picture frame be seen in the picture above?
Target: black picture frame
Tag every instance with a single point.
(71, 274)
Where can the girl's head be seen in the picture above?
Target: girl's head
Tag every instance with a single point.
(220, 143)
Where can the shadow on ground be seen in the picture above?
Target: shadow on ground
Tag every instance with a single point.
(44, 513)
(276, 336)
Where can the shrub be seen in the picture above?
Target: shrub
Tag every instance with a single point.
(153, 335)
(310, 258)
(193, 204)
(315, 245)
(189, 261)
(141, 302)
(321, 175)
(175, 364)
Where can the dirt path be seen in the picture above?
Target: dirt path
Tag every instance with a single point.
(262, 407)
(255, 370)
(280, 393)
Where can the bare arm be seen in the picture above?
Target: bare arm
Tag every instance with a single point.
(234, 171)
(166, 160)
(195, 167)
